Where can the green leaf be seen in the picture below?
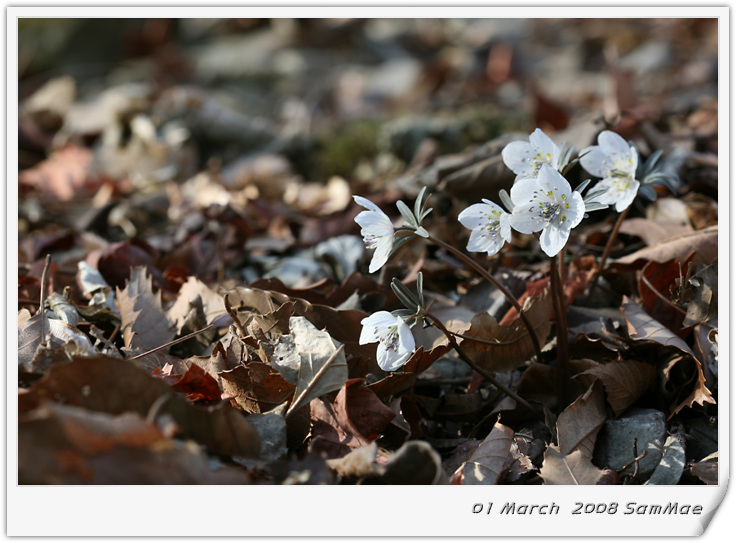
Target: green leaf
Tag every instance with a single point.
(405, 295)
(411, 221)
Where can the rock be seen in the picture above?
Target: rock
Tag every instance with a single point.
(614, 448)
(670, 468)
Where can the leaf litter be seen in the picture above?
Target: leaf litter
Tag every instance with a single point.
(200, 320)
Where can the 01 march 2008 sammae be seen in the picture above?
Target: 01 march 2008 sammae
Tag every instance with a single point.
(611, 508)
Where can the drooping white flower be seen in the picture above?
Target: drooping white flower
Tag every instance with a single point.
(395, 341)
(489, 227)
(546, 203)
(377, 231)
(615, 162)
(525, 159)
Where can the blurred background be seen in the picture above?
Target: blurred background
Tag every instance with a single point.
(157, 129)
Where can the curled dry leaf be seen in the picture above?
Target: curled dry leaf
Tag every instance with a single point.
(642, 327)
(504, 348)
(625, 381)
(489, 463)
(255, 387)
(704, 243)
(144, 323)
(212, 303)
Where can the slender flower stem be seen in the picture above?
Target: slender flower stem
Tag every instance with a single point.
(488, 277)
(563, 356)
(606, 253)
(469, 361)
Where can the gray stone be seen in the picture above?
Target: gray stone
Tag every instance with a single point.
(614, 447)
(670, 468)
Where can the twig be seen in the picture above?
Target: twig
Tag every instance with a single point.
(563, 356)
(174, 342)
(469, 361)
(46, 267)
(315, 379)
(234, 316)
(606, 253)
(488, 277)
(635, 462)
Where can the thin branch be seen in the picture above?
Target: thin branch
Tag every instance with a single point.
(488, 277)
(606, 253)
(174, 342)
(46, 267)
(470, 362)
(315, 380)
(563, 356)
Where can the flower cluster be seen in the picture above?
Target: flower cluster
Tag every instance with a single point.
(541, 200)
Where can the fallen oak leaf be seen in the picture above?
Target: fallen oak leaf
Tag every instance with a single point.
(144, 324)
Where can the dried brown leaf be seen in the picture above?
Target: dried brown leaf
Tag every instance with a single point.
(624, 381)
(490, 461)
(573, 469)
(63, 444)
(579, 423)
(114, 386)
(704, 243)
(144, 324)
(505, 348)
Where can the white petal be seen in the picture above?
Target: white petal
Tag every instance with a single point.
(390, 360)
(525, 221)
(627, 196)
(375, 222)
(505, 227)
(379, 319)
(485, 242)
(406, 339)
(553, 239)
(595, 161)
(366, 203)
(544, 145)
(551, 179)
(477, 215)
(519, 157)
(383, 251)
(576, 211)
(523, 191)
(613, 144)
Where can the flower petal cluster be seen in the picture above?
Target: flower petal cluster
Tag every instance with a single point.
(395, 341)
(615, 162)
(546, 203)
(489, 227)
(377, 231)
(525, 159)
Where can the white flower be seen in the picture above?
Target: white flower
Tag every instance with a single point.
(548, 204)
(489, 227)
(526, 159)
(377, 231)
(615, 162)
(395, 342)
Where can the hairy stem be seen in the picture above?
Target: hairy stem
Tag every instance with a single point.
(563, 356)
(606, 253)
(469, 361)
(488, 277)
